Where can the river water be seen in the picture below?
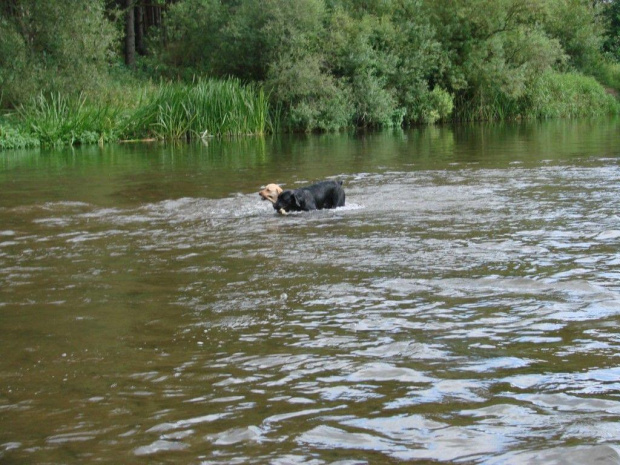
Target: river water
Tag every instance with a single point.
(463, 307)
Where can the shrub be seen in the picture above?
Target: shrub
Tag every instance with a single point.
(12, 137)
(432, 106)
(309, 98)
(188, 46)
(16, 80)
(608, 74)
(374, 104)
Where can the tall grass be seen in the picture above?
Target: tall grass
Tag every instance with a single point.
(203, 109)
(569, 95)
(175, 111)
(551, 95)
(216, 108)
(55, 120)
(608, 74)
(492, 105)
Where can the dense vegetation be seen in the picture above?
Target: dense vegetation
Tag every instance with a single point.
(84, 71)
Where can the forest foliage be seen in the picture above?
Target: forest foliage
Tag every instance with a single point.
(316, 64)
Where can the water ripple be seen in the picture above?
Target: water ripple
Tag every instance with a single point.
(466, 314)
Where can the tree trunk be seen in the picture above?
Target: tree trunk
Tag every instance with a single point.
(140, 45)
(130, 35)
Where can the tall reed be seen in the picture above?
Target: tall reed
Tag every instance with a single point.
(203, 109)
(492, 105)
(55, 120)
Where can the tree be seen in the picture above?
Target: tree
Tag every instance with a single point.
(493, 49)
(138, 18)
(578, 27)
(53, 46)
(611, 17)
(130, 34)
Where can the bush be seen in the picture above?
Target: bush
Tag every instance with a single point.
(241, 39)
(608, 74)
(309, 98)
(12, 137)
(189, 47)
(17, 80)
(432, 106)
(375, 106)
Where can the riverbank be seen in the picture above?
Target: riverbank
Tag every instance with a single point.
(167, 111)
(94, 71)
(209, 108)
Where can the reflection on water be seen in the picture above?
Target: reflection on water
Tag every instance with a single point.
(462, 307)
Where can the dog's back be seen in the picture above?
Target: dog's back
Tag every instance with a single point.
(325, 194)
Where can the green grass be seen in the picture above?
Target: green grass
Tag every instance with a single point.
(224, 108)
(608, 74)
(203, 109)
(551, 95)
(570, 95)
(13, 136)
(168, 111)
(57, 120)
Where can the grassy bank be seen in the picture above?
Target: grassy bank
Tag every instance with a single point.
(13, 135)
(227, 108)
(324, 65)
(569, 95)
(204, 109)
(168, 111)
(550, 95)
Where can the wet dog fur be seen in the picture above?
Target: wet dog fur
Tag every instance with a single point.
(326, 194)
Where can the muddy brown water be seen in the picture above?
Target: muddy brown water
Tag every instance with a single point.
(463, 307)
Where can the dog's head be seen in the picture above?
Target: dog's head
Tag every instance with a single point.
(271, 193)
(288, 201)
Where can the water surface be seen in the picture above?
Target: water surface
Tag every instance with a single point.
(461, 308)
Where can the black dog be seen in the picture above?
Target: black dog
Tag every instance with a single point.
(326, 194)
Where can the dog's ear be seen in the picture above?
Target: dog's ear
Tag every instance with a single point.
(297, 199)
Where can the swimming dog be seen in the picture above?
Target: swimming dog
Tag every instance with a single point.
(325, 194)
